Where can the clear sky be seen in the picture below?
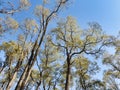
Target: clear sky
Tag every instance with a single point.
(105, 12)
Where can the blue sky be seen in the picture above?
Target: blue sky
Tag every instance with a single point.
(105, 12)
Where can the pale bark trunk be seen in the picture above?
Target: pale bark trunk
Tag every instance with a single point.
(23, 80)
(26, 74)
(11, 81)
(14, 75)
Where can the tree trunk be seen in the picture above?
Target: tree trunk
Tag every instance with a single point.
(44, 88)
(11, 81)
(67, 75)
(24, 78)
(39, 83)
(14, 75)
(54, 87)
(26, 74)
(37, 88)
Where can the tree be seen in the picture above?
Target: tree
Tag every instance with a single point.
(112, 74)
(48, 65)
(45, 16)
(73, 41)
(32, 33)
(15, 55)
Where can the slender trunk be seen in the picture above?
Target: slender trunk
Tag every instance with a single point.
(14, 75)
(44, 88)
(2, 68)
(37, 88)
(49, 85)
(11, 81)
(39, 83)
(9, 77)
(2, 86)
(67, 75)
(25, 76)
(54, 87)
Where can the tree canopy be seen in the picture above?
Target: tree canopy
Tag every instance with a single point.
(64, 57)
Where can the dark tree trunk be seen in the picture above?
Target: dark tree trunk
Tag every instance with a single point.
(38, 85)
(67, 74)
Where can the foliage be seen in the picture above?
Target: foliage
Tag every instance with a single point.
(38, 57)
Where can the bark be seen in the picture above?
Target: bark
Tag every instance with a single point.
(23, 79)
(49, 85)
(67, 84)
(39, 83)
(44, 88)
(26, 74)
(14, 75)
(54, 87)
(37, 88)
(11, 81)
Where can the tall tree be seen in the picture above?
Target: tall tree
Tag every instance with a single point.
(45, 16)
(74, 41)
